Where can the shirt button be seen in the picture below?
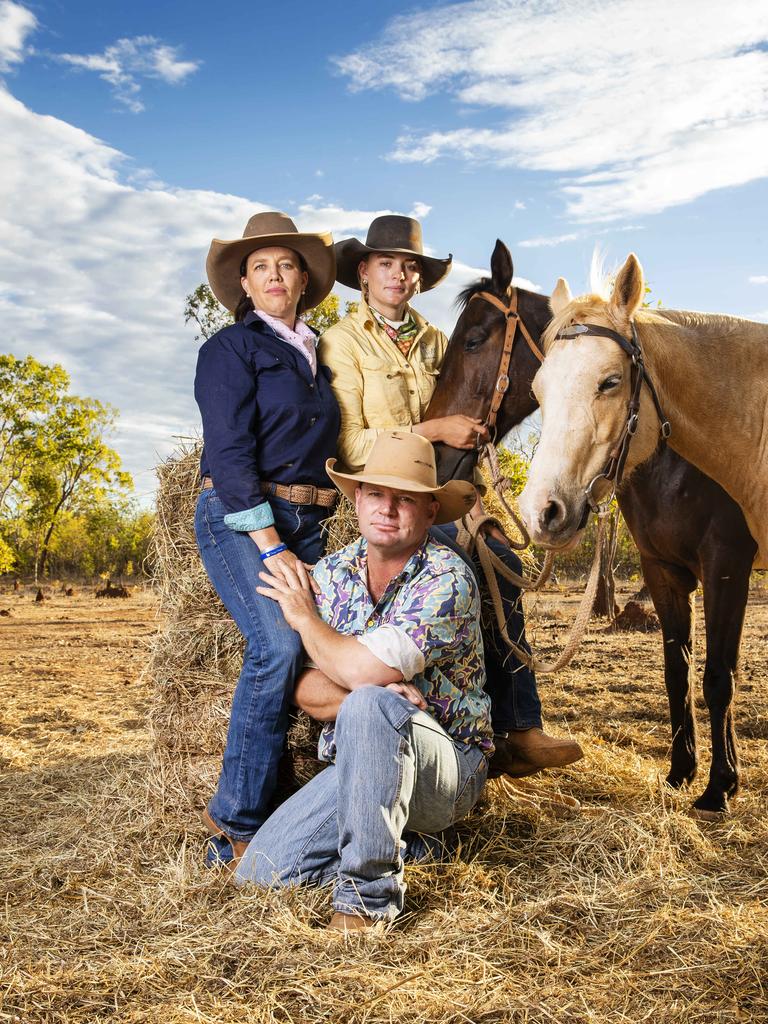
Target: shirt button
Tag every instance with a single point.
(313, 421)
(411, 392)
(311, 387)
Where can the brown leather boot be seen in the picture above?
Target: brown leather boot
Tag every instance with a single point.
(535, 748)
(506, 761)
(239, 846)
(350, 923)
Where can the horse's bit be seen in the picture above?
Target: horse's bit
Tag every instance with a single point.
(513, 321)
(613, 470)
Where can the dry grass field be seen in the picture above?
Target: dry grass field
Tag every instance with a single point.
(625, 910)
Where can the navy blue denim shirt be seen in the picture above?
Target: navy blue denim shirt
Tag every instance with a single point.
(264, 418)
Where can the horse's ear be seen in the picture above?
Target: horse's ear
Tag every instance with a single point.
(628, 288)
(561, 296)
(501, 267)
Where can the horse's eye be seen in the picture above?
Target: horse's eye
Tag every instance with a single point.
(609, 383)
(473, 341)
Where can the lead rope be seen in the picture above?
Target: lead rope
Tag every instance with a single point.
(471, 539)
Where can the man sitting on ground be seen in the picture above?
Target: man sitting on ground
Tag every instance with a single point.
(394, 634)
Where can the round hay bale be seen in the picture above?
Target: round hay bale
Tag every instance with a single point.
(196, 655)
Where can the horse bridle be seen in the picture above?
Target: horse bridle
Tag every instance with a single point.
(613, 471)
(513, 322)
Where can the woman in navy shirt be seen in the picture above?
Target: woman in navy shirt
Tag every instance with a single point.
(270, 421)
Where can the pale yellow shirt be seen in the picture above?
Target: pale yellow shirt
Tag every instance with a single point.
(376, 386)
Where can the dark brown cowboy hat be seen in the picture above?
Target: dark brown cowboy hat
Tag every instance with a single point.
(261, 231)
(406, 462)
(389, 234)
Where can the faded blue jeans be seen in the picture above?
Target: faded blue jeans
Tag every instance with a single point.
(273, 656)
(511, 685)
(396, 768)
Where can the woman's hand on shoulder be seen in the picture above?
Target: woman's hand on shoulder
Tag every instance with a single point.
(457, 431)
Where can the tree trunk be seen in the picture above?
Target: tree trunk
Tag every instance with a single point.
(48, 535)
(605, 598)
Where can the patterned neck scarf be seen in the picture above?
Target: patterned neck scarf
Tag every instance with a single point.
(401, 333)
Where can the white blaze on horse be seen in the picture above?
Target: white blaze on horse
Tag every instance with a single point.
(613, 373)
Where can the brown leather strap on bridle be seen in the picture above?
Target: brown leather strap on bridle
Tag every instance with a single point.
(513, 322)
(613, 471)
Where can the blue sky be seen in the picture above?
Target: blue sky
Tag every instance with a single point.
(130, 134)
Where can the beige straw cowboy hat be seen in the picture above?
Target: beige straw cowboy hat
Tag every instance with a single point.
(262, 230)
(391, 233)
(406, 462)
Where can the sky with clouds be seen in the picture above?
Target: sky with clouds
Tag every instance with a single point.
(130, 135)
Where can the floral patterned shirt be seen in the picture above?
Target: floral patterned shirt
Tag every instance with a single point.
(429, 614)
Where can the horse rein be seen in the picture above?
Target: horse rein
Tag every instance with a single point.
(513, 322)
(613, 471)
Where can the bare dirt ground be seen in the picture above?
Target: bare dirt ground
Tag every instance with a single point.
(626, 910)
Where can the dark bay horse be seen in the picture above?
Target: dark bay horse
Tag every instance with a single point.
(684, 524)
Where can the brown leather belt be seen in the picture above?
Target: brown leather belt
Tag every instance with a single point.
(297, 494)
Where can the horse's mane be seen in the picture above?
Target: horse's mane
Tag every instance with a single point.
(482, 284)
(585, 307)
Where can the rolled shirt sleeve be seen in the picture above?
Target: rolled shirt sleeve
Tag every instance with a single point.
(393, 646)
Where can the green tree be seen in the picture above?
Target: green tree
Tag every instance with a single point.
(28, 392)
(109, 538)
(326, 313)
(72, 466)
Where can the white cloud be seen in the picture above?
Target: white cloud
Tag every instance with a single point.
(95, 266)
(551, 240)
(759, 279)
(676, 106)
(519, 205)
(16, 23)
(127, 60)
(347, 222)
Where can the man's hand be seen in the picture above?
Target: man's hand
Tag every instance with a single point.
(410, 692)
(293, 592)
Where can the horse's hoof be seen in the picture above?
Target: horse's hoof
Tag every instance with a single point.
(702, 814)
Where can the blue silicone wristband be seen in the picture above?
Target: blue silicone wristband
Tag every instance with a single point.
(273, 551)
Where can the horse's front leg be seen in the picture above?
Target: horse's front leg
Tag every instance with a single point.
(726, 588)
(671, 588)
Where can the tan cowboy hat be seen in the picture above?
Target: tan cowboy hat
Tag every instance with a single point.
(389, 234)
(262, 230)
(406, 462)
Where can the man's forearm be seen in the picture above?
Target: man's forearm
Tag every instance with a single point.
(342, 658)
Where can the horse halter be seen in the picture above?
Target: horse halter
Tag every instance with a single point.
(513, 322)
(613, 471)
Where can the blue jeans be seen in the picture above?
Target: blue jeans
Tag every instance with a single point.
(511, 685)
(273, 656)
(395, 768)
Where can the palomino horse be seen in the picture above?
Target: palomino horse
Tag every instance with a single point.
(685, 526)
(613, 375)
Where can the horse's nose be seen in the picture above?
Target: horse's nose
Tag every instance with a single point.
(553, 516)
